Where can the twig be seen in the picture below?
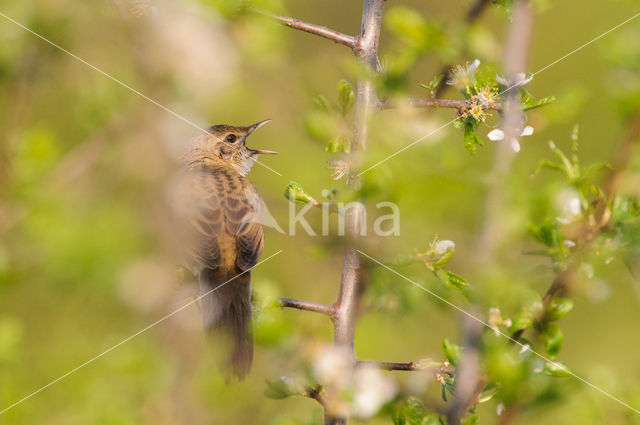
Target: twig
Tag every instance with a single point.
(469, 382)
(316, 393)
(460, 105)
(318, 30)
(307, 306)
(408, 366)
(391, 365)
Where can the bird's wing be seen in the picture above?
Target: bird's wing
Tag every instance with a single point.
(213, 206)
(245, 215)
(197, 216)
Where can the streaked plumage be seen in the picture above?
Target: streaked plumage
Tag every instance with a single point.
(218, 216)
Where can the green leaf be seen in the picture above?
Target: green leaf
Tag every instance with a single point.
(487, 393)
(556, 369)
(334, 145)
(451, 279)
(279, 389)
(294, 192)
(547, 233)
(434, 84)
(471, 139)
(411, 412)
(537, 104)
(558, 308)
(452, 352)
(553, 338)
(321, 103)
(522, 320)
(346, 96)
(470, 420)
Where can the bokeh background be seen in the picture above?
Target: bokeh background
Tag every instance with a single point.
(85, 253)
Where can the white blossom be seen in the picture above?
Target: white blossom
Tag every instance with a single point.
(372, 389)
(443, 246)
(521, 80)
(332, 365)
(570, 206)
(498, 134)
(463, 76)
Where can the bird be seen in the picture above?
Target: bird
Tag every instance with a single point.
(218, 216)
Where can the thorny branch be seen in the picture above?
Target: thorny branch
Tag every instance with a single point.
(307, 306)
(344, 311)
(461, 105)
(444, 369)
(318, 30)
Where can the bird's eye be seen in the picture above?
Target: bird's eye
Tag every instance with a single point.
(231, 138)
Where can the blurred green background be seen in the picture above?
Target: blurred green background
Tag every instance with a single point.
(85, 252)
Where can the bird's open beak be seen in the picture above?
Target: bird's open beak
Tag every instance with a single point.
(257, 125)
(253, 128)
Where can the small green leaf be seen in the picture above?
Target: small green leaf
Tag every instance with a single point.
(451, 279)
(547, 233)
(334, 145)
(452, 352)
(471, 139)
(556, 369)
(279, 389)
(321, 103)
(294, 192)
(537, 104)
(553, 338)
(558, 308)
(522, 320)
(411, 412)
(487, 393)
(470, 420)
(434, 84)
(346, 96)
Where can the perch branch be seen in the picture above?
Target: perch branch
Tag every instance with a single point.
(307, 306)
(318, 30)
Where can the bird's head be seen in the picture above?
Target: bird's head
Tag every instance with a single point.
(226, 143)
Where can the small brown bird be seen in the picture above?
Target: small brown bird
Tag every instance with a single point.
(218, 216)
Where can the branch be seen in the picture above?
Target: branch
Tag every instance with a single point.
(469, 382)
(316, 393)
(307, 306)
(493, 231)
(318, 30)
(391, 365)
(460, 105)
(408, 366)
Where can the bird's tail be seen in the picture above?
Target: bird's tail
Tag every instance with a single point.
(226, 315)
